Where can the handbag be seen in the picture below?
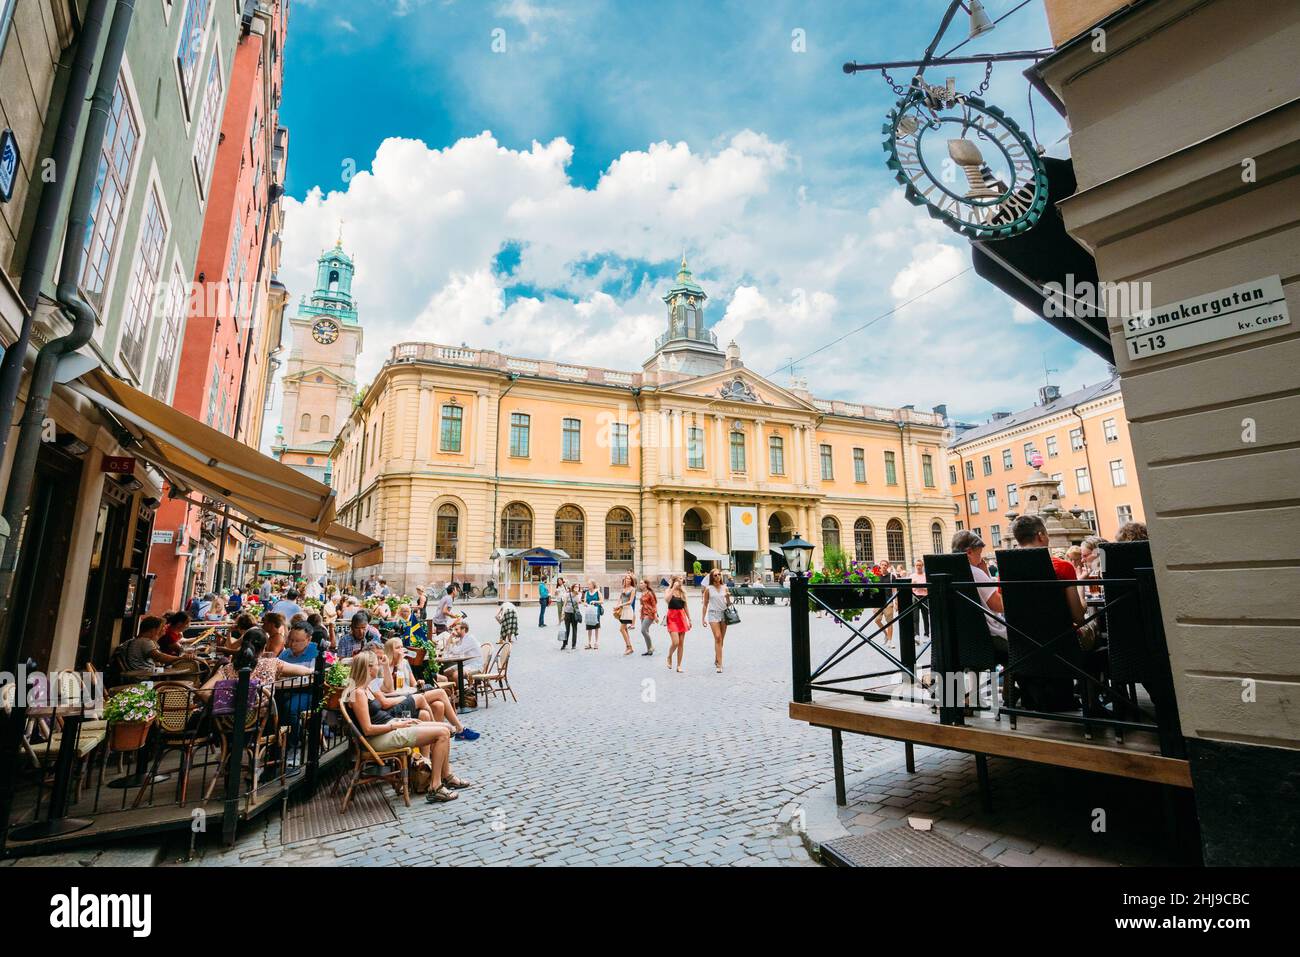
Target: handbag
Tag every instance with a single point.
(420, 774)
(223, 696)
(730, 615)
(591, 617)
(559, 635)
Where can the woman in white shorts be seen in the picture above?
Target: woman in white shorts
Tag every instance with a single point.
(713, 611)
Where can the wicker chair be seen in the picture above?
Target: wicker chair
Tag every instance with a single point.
(261, 729)
(495, 676)
(366, 756)
(181, 726)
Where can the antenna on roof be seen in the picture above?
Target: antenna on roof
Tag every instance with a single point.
(1047, 373)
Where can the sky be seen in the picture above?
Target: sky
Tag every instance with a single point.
(525, 175)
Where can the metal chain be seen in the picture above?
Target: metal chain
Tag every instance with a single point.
(988, 74)
(898, 90)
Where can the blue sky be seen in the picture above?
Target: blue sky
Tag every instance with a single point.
(530, 171)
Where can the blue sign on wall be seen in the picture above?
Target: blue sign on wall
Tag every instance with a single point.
(9, 159)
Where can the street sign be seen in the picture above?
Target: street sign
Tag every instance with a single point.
(10, 160)
(163, 538)
(118, 464)
(1222, 314)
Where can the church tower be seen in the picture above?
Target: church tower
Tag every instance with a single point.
(320, 376)
(687, 348)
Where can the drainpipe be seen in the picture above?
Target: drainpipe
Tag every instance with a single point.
(1092, 479)
(47, 210)
(496, 459)
(77, 310)
(640, 480)
(965, 499)
(907, 493)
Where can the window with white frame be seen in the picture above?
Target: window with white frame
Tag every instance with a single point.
(991, 499)
(927, 471)
(116, 162)
(144, 283)
(1007, 462)
(1117, 474)
(995, 535)
(1013, 494)
(618, 443)
(1052, 449)
(694, 448)
(986, 463)
(164, 363)
(189, 50)
(952, 475)
(1076, 440)
(1082, 481)
(1110, 429)
(859, 465)
(891, 471)
(205, 140)
(1029, 453)
(970, 471)
(1059, 479)
(776, 455)
(571, 440)
(1124, 513)
(736, 443)
(828, 463)
(974, 500)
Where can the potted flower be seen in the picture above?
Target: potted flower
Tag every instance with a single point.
(336, 676)
(426, 653)
(130, 713)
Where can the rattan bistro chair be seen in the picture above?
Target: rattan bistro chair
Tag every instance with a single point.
(181, 726)
(261, 730)
(495, 678)
(395, 763)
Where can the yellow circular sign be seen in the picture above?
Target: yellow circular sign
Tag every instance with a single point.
(747, 518)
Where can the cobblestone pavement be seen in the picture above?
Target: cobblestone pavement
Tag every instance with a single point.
(607, 759)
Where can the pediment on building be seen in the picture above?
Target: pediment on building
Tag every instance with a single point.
(741, 386)
(309, 374)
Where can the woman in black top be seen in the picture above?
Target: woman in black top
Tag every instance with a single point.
(679, 621)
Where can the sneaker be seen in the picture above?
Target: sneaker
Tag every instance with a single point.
(468, 734)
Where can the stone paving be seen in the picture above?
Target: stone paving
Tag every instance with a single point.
(607, 759)
(614, 760)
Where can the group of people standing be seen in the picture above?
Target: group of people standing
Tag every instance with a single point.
(635, 602)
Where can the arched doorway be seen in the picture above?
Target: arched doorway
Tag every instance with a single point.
(780, 529)
(696, 528)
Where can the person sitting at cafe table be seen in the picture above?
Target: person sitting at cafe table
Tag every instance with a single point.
(142, 653)
(973, 546)
(172, 640)
(359, 632)
(267, 669)
(459, 643)
(1030, 532)
(386, 731)
(397, 678)
(277, 632)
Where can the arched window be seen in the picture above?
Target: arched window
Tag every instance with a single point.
(571, 537)
(325, 423)
(619, 553)
(446, 533)
(936, 538)
(305, 424)
(830, 533)
(864, 548)
(334, 280)
(517, 526)
(894, 541)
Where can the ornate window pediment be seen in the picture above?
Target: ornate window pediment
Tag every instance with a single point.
(738, 390)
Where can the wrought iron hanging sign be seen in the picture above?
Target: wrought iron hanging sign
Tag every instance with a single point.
(966, 161)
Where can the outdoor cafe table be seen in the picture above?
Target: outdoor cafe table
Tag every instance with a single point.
(460, 677)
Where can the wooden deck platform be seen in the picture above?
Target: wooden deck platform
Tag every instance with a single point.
(113, 822)
(1059, 743)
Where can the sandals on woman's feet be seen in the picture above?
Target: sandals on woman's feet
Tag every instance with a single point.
(440, 795)
(457, 784)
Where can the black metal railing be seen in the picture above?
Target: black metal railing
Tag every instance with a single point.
(1031, 657)
(194, 764)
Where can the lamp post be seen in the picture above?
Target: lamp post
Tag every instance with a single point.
(455, 544)
(797, 553)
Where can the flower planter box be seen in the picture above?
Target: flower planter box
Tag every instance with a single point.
(129, 735)
(332, 695)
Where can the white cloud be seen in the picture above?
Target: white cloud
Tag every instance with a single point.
(785, 273)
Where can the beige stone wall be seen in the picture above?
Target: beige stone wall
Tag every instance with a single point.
(1163, 128)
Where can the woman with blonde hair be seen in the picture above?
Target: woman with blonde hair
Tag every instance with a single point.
(713, 607)
(623, 610)
(388, 732)
(679, 621)
(398, 679)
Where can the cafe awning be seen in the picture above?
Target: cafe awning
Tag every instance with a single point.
(703, 552)
(198, 458)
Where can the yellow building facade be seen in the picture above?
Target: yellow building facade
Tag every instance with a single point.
(1083, 438)
(459, 458)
